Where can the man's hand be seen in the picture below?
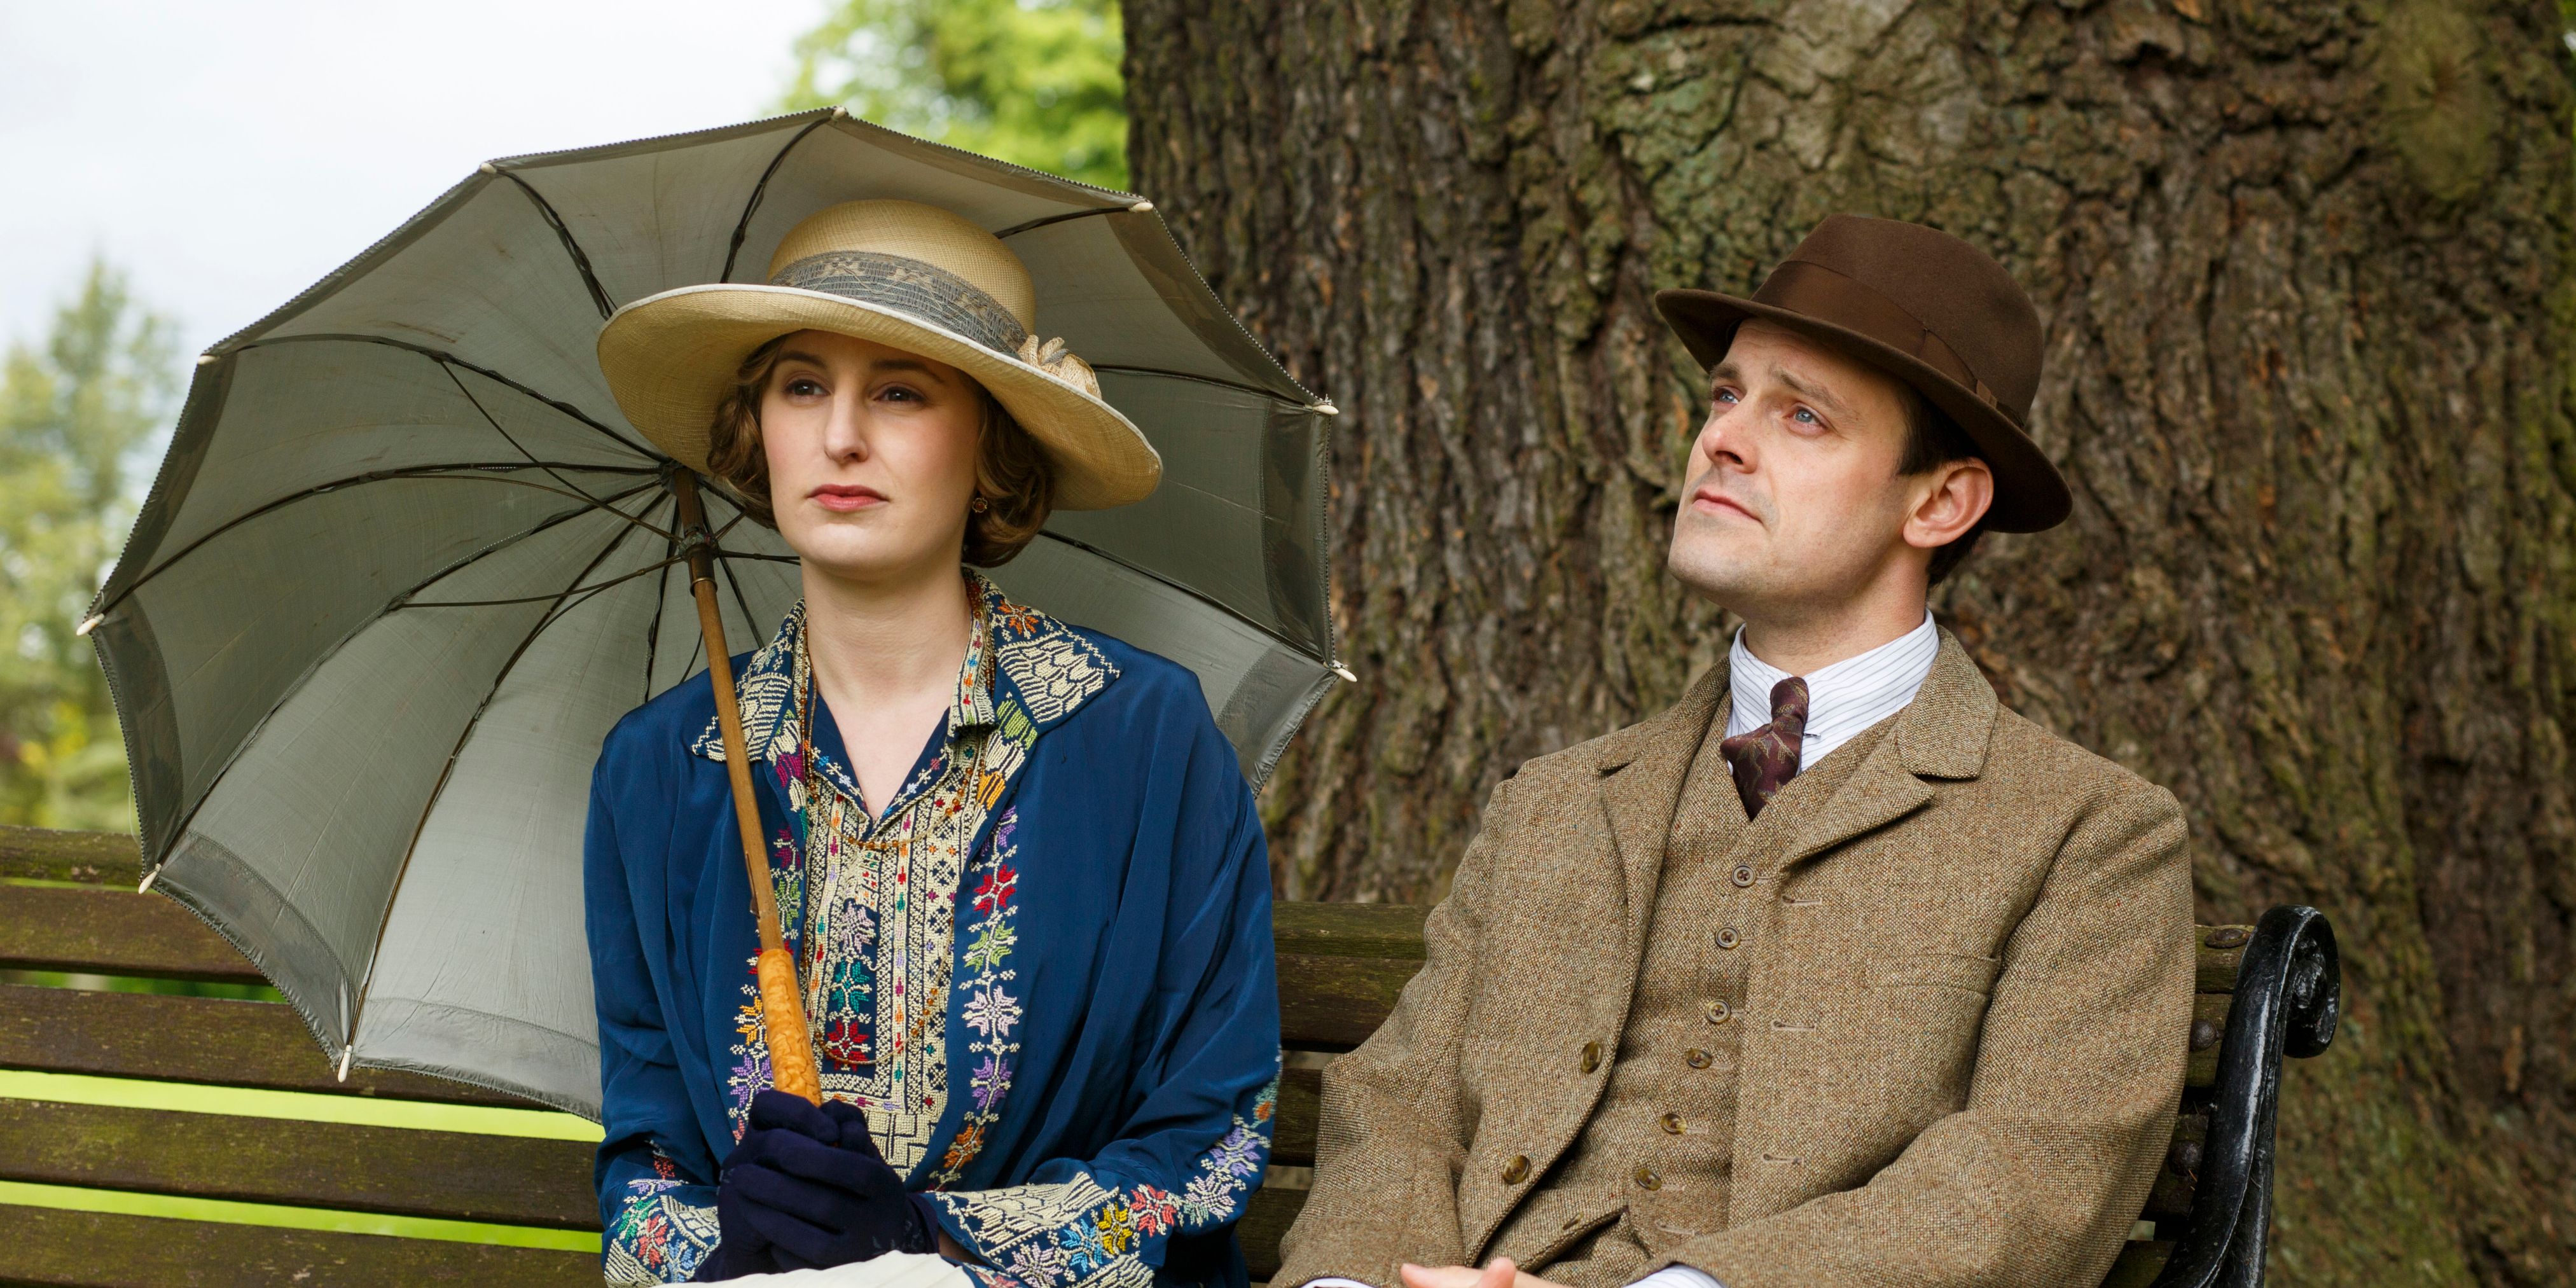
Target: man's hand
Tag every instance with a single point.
(1498, 1273)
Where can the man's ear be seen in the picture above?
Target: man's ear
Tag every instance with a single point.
(1950, 500)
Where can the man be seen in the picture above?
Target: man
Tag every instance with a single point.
(1836, 972)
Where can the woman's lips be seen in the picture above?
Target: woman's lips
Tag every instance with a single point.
(846, 499)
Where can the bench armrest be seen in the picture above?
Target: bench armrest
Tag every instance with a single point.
(2289, 993)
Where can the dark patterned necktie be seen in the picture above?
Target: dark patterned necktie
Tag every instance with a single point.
(1766, 758)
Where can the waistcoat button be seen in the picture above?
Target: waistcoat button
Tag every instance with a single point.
(1647, 1179)
(1591, 1056)
(1743, 875)
(1719, 1012)
(1696, 1058)
(1672, 1123)
(1517, 1170)
(1727, 938)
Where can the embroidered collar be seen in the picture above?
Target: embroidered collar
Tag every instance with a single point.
(1041, 666)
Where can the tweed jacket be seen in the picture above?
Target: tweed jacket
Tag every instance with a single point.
(1967, 997)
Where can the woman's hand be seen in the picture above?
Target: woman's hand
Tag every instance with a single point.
(808, 1185)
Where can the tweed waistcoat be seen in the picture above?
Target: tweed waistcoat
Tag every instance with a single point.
(1652, 1166)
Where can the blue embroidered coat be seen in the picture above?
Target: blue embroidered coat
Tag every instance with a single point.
(1045, 970)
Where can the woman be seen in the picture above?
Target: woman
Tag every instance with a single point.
(1017, 864)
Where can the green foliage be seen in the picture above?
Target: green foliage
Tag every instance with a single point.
(71, 411)
(1032, 82)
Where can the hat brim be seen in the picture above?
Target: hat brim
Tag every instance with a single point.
(671, 358)
(2030, 495)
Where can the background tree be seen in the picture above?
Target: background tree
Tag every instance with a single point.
(71, 413)
(1033, 82)
(2304, 266)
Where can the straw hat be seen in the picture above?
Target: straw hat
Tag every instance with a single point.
(900, 273)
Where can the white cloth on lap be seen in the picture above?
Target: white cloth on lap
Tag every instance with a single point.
(893, 1270)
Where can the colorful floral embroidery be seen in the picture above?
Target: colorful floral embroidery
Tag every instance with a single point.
(659, 1236)
(1081, 1234)
(870, 903)
(990, 1011)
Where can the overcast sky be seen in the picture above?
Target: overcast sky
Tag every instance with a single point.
(229, 153)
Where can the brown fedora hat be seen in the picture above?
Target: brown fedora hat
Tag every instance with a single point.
(1926, 308)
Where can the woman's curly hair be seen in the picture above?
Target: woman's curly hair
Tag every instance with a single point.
(1013, 477)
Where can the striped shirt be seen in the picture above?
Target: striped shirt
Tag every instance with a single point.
(1842, 699)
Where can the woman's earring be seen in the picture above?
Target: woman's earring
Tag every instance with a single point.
(979, 504)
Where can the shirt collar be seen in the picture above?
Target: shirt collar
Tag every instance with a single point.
(1842, 699)
(1016, 657)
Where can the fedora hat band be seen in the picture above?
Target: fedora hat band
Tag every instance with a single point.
(910, 286)
(1815, 291)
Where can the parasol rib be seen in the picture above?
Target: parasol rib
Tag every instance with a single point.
(396, 604)
(393, 892)
(444, 357)
(742, 226)
(478, 471)
(506, 435)
(580, 261)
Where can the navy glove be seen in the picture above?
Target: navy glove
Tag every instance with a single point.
(812, 1190)
(740, 1249)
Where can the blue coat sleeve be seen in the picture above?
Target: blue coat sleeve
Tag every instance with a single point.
(657, 1196)
(1193, 1147)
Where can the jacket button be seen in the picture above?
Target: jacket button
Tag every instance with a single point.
(1743, 875)
(1727, 938)
(1646, 1179)
(1517, 1170)
(1719, 1012)
(1696, 1058)
(1591, 1056)
(1672, 1123)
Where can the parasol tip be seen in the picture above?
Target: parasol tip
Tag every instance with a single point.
(840, 113)
(209, 359)
(345, 1053)
(487, 168)
(1345, 673)
(1140, 208)
(1326, 408)
(148, 879)
(88, 624)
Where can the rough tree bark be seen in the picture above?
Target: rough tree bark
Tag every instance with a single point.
(2305, 272)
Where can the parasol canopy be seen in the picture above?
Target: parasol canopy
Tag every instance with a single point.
(405, 564)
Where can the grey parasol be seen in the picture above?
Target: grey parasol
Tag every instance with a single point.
(405, 565)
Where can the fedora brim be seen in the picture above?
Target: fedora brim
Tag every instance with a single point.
(2030, 495)
(671, 358)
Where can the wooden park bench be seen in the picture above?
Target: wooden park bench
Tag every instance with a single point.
(68, 904)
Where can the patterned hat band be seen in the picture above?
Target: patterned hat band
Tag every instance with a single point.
(932, 294)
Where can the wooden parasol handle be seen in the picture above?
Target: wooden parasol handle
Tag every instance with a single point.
(782, 1010)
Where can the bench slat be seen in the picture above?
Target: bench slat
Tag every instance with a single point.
(113, 1250)
(114, 932)
(2140, 1261)
(1332, 1003)
(93, 858)
(1292, 1126)
(1349, 929)
(196, 1039)
(1265, 1218)
(510, 1179)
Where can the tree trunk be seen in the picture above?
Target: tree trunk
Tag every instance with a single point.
(2304, 268)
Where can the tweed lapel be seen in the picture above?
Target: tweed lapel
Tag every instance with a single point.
(1941, 734)
(1642, 769)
